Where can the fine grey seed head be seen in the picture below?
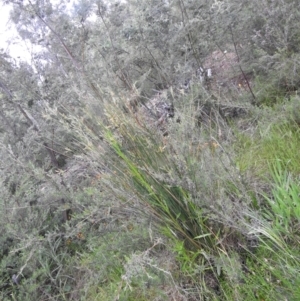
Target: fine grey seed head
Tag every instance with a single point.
(15, 279)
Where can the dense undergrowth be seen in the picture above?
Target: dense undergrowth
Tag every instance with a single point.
(160, 184)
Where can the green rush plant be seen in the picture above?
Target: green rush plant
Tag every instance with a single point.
(285, 201)
(171, 204)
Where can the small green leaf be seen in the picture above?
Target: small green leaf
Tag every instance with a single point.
(203, 235)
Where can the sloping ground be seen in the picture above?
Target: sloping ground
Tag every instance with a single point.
(227, 74)
(222, 81)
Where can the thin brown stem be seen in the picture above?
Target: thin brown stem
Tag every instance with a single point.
(254, 102)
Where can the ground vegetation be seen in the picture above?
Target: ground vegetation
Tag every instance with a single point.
(149, 151)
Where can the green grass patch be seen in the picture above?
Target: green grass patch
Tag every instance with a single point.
(279, 141)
